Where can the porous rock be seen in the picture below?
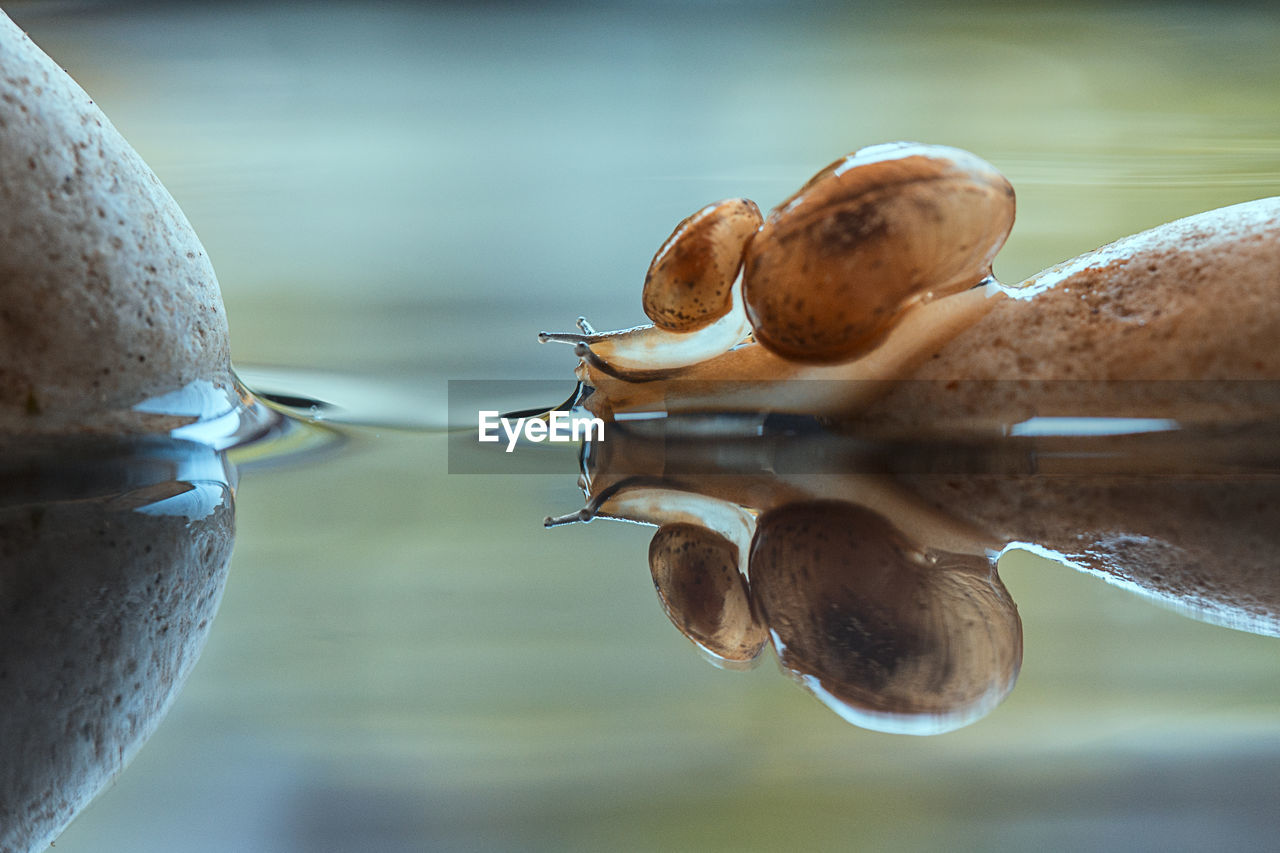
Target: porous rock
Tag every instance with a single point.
(107, 298)
(1180, 321)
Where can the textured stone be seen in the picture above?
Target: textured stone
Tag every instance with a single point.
(1134, 328)
(107, 298)
(1198, 298)
(1203, 545)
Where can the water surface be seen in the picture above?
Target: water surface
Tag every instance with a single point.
(404, 659)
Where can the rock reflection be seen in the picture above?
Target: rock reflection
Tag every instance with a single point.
(873, 567)
(113, 558)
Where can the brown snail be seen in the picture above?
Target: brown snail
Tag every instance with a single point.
(889, 634)
(829, 273)
(698, 560)
(869, 273)
(690, 294)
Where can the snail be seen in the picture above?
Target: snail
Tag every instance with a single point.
(689, 293)
(111, 319)
(828, 274)
(879, 270)
(889, 634)
(873, 571)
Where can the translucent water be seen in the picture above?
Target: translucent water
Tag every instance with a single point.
(404, 658)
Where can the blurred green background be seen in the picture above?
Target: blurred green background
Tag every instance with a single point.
(404, 659)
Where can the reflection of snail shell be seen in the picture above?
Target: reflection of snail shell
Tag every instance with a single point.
(109, 580)
(695, 571)
(888, 636)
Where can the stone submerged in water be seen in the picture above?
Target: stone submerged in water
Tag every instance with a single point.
(107, 298)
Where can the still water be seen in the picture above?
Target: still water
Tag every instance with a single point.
(398, 196)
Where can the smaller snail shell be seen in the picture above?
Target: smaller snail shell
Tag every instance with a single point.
(836, 265)
(695, 571)
(690, 280)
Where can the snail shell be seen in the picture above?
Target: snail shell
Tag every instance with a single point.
(690, 280)
(695, 571)
(836, 265)
(890, 636)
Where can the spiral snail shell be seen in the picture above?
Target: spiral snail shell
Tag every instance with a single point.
(690, 280)
(837, 264)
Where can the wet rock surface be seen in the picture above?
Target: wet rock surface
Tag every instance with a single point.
(107, 298)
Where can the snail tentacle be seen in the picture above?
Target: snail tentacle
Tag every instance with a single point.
(650, 348)
(583, 515)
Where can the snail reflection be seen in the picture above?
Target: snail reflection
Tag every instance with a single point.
(866, 304)
(113, 558)
(871, 568)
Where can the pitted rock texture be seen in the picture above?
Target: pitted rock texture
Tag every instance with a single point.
(1180, 321)
(107, 297)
